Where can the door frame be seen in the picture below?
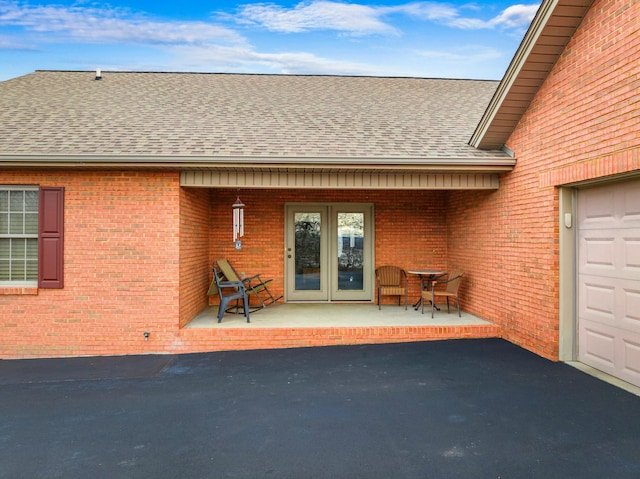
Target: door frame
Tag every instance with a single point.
(568, 321)
(329, 256)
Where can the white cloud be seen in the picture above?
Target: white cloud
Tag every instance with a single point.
(108, 25)
(212, 46)
(245, 59)
(516, 16)
(358, 19)
(513, 17)
(117, 25)
(319, 15)
(423, 10)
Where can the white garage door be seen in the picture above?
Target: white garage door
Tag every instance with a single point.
(609, 279)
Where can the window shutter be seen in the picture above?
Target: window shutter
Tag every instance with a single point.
(50, 237)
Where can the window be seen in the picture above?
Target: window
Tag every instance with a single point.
(18, 236)
(31, 236)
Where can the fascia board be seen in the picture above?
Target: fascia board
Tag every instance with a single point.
(511, 75)
(182, 162)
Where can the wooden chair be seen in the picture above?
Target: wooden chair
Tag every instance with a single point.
(392, 281)
(451, 284)
(228, 291)
(253, 285)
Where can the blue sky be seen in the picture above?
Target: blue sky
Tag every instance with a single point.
(449, 39)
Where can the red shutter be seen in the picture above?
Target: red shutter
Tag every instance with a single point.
(50, 237)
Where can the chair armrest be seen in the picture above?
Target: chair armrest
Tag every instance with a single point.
(231, 284)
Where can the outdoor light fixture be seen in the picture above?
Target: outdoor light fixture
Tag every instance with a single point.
(238, 222)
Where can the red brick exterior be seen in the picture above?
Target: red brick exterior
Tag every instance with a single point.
(121, 269)
(582, 125)
(194, 252)
(138, 255)
(139, 248)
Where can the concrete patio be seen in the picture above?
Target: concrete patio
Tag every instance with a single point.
(335, 315)
(293, 325)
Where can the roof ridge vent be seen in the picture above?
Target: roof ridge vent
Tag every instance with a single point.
(98, 74)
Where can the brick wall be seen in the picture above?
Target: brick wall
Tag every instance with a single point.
(194, 252)
(134, 244)
(121, 269)
(138, 251)
(582, 125)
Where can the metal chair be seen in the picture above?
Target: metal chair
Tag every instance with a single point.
(228, 291)
(392, 281)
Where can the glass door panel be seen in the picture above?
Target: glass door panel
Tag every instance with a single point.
(350, 251)
(306, 252)
(308, 227)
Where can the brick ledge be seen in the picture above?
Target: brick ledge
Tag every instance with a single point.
(18, 291)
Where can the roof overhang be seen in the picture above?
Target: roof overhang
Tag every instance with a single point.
(289, 172)
(485, 163)
(551, 29)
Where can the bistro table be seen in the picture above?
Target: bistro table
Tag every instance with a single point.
(426, 277)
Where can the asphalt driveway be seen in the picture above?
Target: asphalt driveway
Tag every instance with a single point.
(443, 409)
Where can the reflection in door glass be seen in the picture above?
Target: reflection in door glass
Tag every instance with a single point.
(307, 251)
(350, 251)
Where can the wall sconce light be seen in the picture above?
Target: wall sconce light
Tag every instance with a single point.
(238, 222)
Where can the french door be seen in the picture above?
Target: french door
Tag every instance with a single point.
(329, 252)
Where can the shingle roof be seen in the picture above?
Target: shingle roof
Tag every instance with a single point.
(127, 114)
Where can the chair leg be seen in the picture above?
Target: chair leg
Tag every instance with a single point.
(224, 302)
(448, 308)
(458, 305)
(245, 303)
(222, 308)
(433, 303)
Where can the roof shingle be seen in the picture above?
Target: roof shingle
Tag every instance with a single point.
(240, 115)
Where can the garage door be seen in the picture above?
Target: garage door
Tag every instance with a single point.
(609, 279)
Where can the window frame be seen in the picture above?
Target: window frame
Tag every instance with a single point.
(10, 236)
